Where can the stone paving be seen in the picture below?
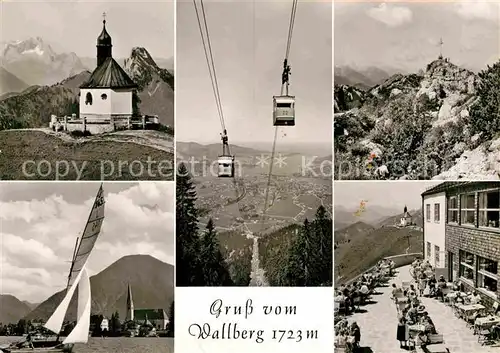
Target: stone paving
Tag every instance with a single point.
(378, 323)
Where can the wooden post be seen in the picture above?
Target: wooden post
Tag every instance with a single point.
(84, 123)
(128, 122)
(144, 122)
(112, 122)
(65, 123)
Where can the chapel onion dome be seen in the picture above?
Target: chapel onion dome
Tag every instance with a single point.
(104, 38)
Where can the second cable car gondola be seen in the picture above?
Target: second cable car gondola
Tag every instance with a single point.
(284, 110)
(226, 160)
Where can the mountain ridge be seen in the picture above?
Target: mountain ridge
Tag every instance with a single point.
(415, 125)
(151, 280)
(33, 106)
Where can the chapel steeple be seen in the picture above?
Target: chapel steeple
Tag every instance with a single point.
(130, 305)
(103, 44)
(405, 211)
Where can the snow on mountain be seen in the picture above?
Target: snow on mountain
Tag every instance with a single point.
(36, 63)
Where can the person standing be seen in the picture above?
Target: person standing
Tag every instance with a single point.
(402, 333)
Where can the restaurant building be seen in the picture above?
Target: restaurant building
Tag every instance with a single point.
(462, 234)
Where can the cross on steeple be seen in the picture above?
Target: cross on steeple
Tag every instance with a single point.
(104, 17)
(441, 48)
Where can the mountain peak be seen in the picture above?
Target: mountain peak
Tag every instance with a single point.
(31, 46)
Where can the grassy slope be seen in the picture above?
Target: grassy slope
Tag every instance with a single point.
(363, 252)
(19, 146)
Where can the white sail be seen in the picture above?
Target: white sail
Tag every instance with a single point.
(80, 333)
(54, 323)
(82, 252)
(89, 237)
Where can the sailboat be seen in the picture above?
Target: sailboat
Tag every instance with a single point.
(77, 278)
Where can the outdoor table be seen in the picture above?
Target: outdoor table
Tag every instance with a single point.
(466, 309)
(417, 328)
(436, 348)
(470, 307)
(402, 300)
(486, 322)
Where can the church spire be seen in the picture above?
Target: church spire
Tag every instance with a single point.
(405, 210)
(103, 43)
(130, 305)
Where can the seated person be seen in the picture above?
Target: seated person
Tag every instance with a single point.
(475, 298)
(421, 339)
(364, 291)
(411, 316)
(340, 298)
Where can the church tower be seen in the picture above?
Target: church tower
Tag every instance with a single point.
(103, 44)
(130, 305)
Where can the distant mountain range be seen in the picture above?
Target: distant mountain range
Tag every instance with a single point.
(35, 62)
(362, 78)
(24, 63)
(372, 215)
(151, 280)
(12, 309)
(293, 163)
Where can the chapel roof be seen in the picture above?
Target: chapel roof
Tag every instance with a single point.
(109, 75)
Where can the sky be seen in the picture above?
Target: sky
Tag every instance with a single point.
(40, 222)
(74, 25)
(406, 35)
(389, 194)
(248, 42)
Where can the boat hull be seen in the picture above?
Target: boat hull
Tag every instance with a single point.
(64, 348)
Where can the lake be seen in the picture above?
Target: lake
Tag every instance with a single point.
(118, 345)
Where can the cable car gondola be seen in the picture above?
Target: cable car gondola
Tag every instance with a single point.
(284, 105)
(226, 166)
(284, 110)
(225, 160)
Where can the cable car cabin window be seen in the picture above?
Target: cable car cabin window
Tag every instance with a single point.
(283, 105)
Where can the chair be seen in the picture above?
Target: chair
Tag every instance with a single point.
(471, 319)
(436, 344)
(485, 335)
(494, 308)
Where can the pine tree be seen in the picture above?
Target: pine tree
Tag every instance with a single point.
(215, 269)
(296, 269)
(188, 244)
(322, 248)
(485, 114)
(171, 322)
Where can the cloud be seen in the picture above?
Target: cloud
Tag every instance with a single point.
(38, 236)
(392, 16)
(478, 10)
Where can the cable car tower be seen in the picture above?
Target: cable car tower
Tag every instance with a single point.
(284, 104)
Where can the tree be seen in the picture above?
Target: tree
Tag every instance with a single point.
(484, 116)
(322, 244)
(188, 243)
(171, 322)
(136, 101)
(115, 324)
(21, 327)
(215, 270)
